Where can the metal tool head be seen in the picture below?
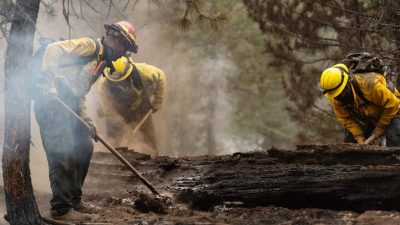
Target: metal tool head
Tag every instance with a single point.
(164, 199)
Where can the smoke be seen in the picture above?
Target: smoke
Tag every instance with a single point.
(2, 59)
(197, 113)
(196, 117)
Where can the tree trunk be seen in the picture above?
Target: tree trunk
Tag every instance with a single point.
(20, 201)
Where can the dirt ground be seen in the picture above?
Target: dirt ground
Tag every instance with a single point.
(116, 211)
(118, 207)
(114, 189)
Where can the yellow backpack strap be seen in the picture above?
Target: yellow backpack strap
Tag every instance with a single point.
(137, 87)
(136, 79)
(357, 89)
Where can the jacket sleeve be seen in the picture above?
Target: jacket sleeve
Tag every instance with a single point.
(158, 78)
(344, 117)
(382, 97)
(62, 51)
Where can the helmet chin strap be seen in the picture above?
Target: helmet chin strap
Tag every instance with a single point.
(108, 55)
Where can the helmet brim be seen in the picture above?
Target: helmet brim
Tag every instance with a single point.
(119, 77)
(334, 93)
(107, 26)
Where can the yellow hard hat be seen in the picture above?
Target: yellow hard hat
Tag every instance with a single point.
(122, 69)
(333, 80)
(342, 66)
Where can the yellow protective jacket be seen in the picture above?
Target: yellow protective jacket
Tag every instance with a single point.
(382, 107)
(129, 97)
(71, 63)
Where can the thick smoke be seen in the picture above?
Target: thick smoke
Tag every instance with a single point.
(196, 115)
(156, 47)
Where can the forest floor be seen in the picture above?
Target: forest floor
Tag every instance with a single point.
(111, 187)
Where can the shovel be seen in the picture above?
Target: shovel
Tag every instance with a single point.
(164, 199)
(142, 121)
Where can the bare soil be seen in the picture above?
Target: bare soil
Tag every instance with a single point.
(209, 181)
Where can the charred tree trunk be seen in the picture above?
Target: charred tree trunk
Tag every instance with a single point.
(339, 177)
(21, 204)
(331, 177)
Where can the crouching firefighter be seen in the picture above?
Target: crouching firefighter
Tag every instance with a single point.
(68, 70)
(125, 93)
(365, 103)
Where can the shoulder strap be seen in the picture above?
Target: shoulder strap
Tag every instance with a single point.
(101, 65)
(390, 85)
(136, 79)
(358, 89)
(96, 52)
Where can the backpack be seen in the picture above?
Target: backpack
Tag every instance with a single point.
(365, 62)
(37, 58)
(44, 42)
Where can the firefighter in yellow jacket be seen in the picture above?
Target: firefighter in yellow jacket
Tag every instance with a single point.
(364, 103)
(126, 91)
(68, 69)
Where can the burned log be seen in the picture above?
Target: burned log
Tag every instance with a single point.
(344, 177)
(349, 154)
(340, 177)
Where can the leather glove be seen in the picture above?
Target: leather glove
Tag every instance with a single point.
(155, 106)
(46, 86)
(51, 92)
(93, 128)
(360, 139)
(48, 92)
(377, 133)
(154, 110)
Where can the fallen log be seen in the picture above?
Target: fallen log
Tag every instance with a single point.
(345, 177)
(348, 154)
(340, 177)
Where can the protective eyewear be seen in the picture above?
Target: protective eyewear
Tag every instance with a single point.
(117, 34)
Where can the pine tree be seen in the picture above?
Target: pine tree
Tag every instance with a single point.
(305, 37)
(21, 204)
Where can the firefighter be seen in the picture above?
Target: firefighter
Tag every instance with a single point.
(68, 70)
(364, 103)
(125, 96)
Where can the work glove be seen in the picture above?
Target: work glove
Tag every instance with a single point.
(51, 93)
(45, 84)
(154, 108)
(46, 89)
(156, 104)
(360, 139)
(376, 133)
(93, 128)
